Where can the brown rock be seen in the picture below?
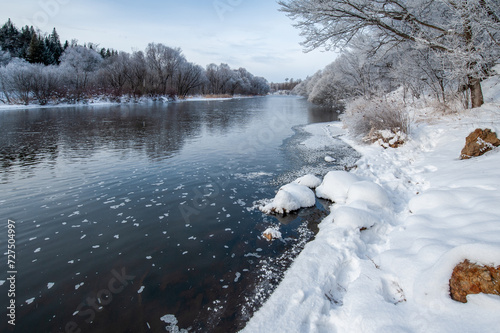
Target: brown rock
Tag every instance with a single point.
(479, 142)
(268, 236)
(469, 278)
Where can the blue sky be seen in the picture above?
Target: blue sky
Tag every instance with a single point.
(242, 33)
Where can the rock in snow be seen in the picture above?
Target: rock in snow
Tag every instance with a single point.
(271, 233)
(469, 278)
(478, 143)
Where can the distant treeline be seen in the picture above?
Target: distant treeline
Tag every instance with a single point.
(288, 85)
(38, 68)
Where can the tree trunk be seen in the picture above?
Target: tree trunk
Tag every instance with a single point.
(476, 93)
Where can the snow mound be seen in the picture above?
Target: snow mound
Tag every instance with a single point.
(351, 218)
(336, 185)
(310, 181)
(368, 192)
(289, 198)
(271, 233)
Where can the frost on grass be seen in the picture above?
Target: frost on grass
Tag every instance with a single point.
(386, 122)
(289, 198)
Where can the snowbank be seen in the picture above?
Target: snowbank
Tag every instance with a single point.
(335, 186)
(289, 198)
(310, 181)
(382, 259)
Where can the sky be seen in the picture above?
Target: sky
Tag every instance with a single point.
(242, 33)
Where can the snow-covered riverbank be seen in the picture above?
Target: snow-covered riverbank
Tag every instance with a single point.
(379, 266)
(103, 101)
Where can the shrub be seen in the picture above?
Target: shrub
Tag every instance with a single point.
(377, 120)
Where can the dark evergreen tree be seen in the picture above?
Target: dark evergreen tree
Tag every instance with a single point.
(55, 49)
(10, 38)
(37, 51)
(26, 36)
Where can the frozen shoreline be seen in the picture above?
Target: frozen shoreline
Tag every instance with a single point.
(101, 102)
(375, 268)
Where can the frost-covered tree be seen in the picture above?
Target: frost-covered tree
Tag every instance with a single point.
(4, 57)
(137, 73)
(259, 86)
(220, 78)
(47, 83)
(115, 73)
(80, 65)
(465, 31)
(163, 62)
(17, 81)
(188, 77)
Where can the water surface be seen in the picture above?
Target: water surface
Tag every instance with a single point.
(128, 214)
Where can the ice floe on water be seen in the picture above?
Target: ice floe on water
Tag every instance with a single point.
(171, 322)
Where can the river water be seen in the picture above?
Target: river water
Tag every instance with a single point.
(141, 218)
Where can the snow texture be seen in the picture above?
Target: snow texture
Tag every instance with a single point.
(382, 259)
(310, 181)
(335, 186)
(289, 198)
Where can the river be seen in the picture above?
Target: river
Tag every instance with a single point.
(141, 217)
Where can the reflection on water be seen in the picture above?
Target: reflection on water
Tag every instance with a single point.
(126, 214)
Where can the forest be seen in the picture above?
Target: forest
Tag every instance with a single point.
(38, 68)
(435, 49)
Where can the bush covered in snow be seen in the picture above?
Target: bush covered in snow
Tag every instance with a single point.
(377, 119)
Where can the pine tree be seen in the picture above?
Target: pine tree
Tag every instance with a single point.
(26, 36)
(54, 46)
(36, 53)
(10, 38)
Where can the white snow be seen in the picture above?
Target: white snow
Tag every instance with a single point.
(290, 197)
(335, 186)
(400, 223)
(171, 322)
(310, 181)
(272, 232)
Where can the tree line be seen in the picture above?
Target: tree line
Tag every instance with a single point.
(442, 47)
(284, 87)
(37, 68)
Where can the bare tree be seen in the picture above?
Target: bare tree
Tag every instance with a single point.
(163, 62)
(467, 31)
(115, 73)
(189, 77)
(17, 81)
(80, 64)
(46, 82)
